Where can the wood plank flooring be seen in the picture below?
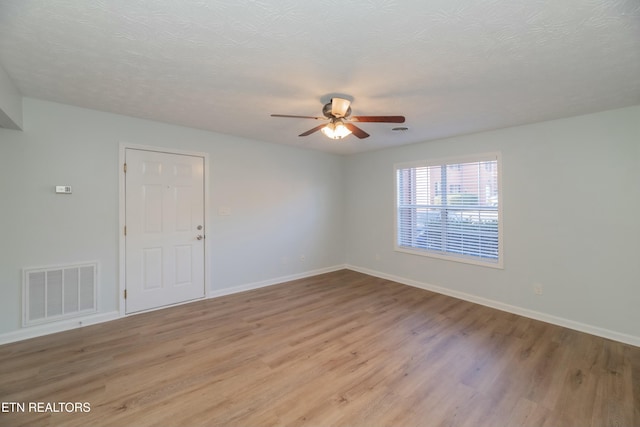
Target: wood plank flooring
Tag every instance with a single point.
(339, 349)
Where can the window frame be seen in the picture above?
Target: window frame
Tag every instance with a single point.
(446, 162)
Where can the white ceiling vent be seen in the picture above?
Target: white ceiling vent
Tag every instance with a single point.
(55, 293)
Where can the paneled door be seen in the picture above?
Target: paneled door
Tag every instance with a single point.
(164, 234)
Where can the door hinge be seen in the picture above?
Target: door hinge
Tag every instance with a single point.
(125, 294)
(125, 230)
(125, 168)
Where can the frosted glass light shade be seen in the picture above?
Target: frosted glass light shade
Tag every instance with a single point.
(336, 130)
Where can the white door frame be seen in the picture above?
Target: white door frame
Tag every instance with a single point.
(121, 219)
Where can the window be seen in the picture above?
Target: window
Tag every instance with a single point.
(450, 209)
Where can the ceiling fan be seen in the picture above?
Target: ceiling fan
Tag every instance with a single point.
(338, 112)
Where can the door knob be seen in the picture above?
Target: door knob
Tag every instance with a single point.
(199, 237)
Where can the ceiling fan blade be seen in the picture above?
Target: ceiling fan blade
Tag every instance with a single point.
(310, 131)
(378, 119)
(298, 117)
(339, 107)
(356, 130)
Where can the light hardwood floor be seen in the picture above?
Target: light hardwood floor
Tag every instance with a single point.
(340, 349)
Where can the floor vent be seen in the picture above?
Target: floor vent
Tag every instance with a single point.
(55, 293)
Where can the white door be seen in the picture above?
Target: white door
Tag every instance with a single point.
(164, 219)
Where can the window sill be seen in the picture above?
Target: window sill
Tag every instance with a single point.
(461, 259)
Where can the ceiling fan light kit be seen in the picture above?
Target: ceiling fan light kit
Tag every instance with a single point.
(336, 129)
(338, 112)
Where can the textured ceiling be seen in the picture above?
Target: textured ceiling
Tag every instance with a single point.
(450, 66)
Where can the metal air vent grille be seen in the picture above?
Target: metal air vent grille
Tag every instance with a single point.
(56, 293)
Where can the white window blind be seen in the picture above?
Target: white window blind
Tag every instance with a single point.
(450, 209)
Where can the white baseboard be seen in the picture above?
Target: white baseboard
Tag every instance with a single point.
(274, 281)
(532, 314)
(54, 327)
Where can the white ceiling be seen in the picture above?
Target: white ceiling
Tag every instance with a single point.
(450, 66)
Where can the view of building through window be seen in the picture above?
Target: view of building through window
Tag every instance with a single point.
(449, 209)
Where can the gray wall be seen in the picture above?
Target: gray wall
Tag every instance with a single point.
(285, 201)
(571, 206)
(10, 103)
